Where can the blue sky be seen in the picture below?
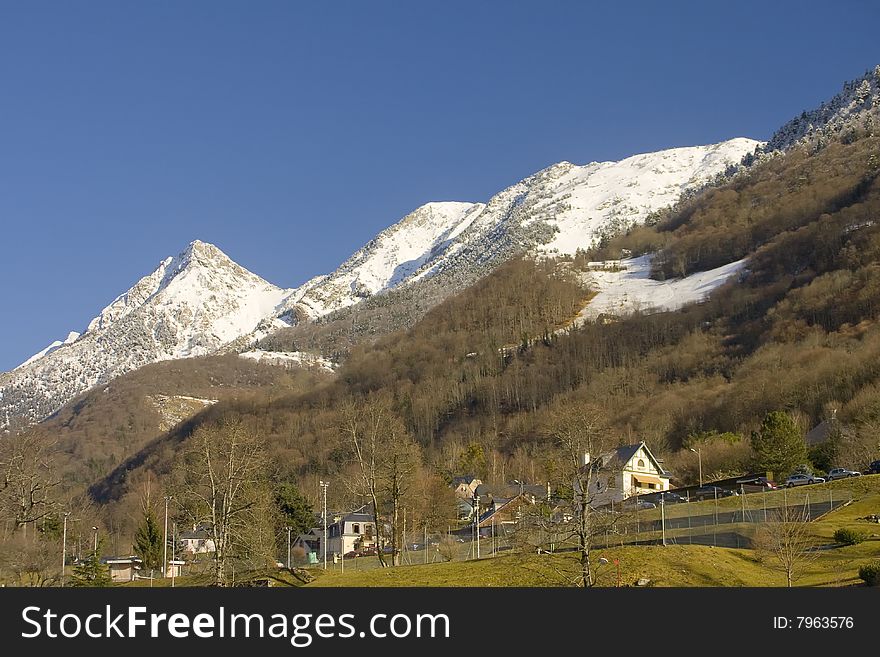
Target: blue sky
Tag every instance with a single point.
(289, 133)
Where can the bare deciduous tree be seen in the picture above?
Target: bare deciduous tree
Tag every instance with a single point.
(580, 438)
(385, 459)
(786, 543)
(29, 478)
(221, 484)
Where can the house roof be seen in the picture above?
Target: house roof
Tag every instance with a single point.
(357, 517)
(464, 479)
(823, 431)
(500, 505)
(622, 455)
(120, 560)
(199, 535)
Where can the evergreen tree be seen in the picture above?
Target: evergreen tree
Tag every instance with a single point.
(295, 510)
(91, 572)
(148, 542)
(778, 445)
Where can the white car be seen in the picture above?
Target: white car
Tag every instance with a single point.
(841, 473)
(802, 479)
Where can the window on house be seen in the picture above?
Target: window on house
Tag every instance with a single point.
(641, 463)
(368, 530)
(356, 528)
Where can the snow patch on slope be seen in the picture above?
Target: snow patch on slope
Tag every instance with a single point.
(625, 287)
(287, 358)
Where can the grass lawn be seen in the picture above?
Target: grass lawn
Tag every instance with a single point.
(672, 565)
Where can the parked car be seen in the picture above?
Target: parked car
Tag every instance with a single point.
(841, 473)
(756, 484)
(711, 492)
(802, 480)
(873, 468)
(639, 504)
(670, 497)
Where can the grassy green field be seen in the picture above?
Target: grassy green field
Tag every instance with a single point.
(671, 565)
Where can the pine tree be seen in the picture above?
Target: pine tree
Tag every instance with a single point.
(294, 509)
(91, 572)
(778, 445)
(148, 542)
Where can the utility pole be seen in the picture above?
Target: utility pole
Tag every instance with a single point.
(699, 454)
(64, 548)
(324, 485)
(165, 540)
(173, 543)
(663, 518)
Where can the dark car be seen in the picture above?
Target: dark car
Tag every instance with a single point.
(756, 484)
(874, 468)
(711, 492)
(670, 497)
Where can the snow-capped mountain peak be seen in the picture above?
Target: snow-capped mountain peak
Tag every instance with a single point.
(200, 302)
(192, 304)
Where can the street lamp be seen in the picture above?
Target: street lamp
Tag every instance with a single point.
(517, 481)
(95, 529)
(700, 462)
(477, 521)
(167, 499)
(324, 485)
(288, 547)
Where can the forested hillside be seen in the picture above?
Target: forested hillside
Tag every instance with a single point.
(478, 376)
(474, 384)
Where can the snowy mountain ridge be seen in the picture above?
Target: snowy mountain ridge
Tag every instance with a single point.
(200, 302)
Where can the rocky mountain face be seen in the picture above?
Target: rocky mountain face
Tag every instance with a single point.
(200, 302)
(191, 305)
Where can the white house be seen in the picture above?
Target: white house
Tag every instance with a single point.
(198, 541)
(350, 532)
(624, 472)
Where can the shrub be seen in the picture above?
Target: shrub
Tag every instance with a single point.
(849, 536)
(870, 573)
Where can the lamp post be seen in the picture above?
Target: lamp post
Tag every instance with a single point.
(700, 462)
(477, 521)
(167, 498)
(324, 485)
(64, 548)
(95, 529)
(517, 481)
(288, 547)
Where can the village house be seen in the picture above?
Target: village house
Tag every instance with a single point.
(503, 513)
(625, 472)
(351, 532)
(465, 486)
(123, 569)
(309, 542)
(198, 541)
